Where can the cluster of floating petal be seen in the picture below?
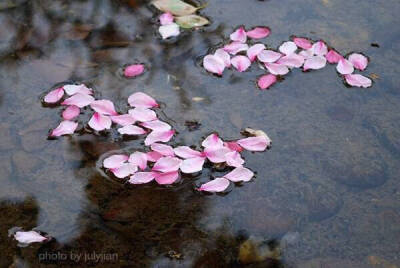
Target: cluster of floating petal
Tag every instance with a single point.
(163, 162)
(298, 53)
(140, 120)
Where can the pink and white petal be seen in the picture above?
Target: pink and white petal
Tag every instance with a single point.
(307, 53)
(159, 136)
(213, 142)
(79, 99)
(104, 107)
(99, 122)
(71, 112)
(216, 185)
(142, 100)
(131, 130)
(241, 63)
(143, 114)
(265, 81)
(153, 156)
(167, 164)
(169, 30)
(358, 80)
(254, 50)
(288, 47)
(233, 146)
(29, 237)
(138, 159)
(344, 67)
(303, 43)
(216, 155)
(234, 159)
(133, 70)
(192, 165)
(239, 35)
(123, 119)
(125, 170)
(214, 64)
(64, 128)
(277, 69)
(359, 61)
(239, 174)
(258, 32)
(167, 178)
(142, 177)
(319, 48)
(163, 149)
(333, 57)
(235, 47)
(54, 96)
(292, 60)
(73, 89)
(268, 56)
(156, 125)
(186, 152)
(255, 144)
(224, 56)
(166, 18)
(115, 161)
(314, 63)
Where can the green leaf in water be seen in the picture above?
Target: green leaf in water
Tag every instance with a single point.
(176, 7)
(191, 21)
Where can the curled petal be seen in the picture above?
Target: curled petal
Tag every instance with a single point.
(359, 61)
(333, 57)
(169, 30)
(216, 155)
(138, 159)
(258, 32)
(265, 81)
(212, 142)
(239, 35)
(99, 122)
(124, 170)
(268, 56)
(142, 177)
(255, 144)
(159, 136)
(115, 161)
(167, 164)
(235, 47)
(214, 64)
(143, 114)
(192, 165)
(153, 156)
(254, 50)
(29, 237)
(123, 119)
(79, 99)
(216, 185)
(104, 107)
(288, 47)
(54, 96)
(241, 63)
(142, 100)
(166, 18)
(277, 69)
(314, 63)
(71, 112)
(358, 80)
(156, 125)
(344, 67)
(186, 152)
(163, 149)
(64, 128)
(233, 146)
(224, 56)
(292, 60)
(133, 70)
(239, 174)
(234, 159)
(167, 178)
(73, 89)
(131, 130)
(303, 43)
(319, 48)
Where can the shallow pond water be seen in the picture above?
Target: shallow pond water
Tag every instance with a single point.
(327, 194)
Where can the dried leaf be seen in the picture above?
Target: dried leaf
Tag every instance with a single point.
(191, 21)
(176, 7)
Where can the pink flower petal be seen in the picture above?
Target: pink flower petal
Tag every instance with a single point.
(169, 30)
(54, 96)
(213, 142)
(234, 159)
(115, 161)
(359, 61)
(192, 165)
(265, 81)
(142, 177)
(167, 164)
(254, 50)
(216, 155)
(235, 47)
(167, 178)
(143, 114)
(239, 174)
(216, 185)
(104, 107)
(156, 125)
(258, 32)
(255, 144)
(214, 64)
(71, 112)
(307, 53)
(319, 48)
(344, 67)
(133, 70)
(187, 152)
(159, 136)
(142, 100)
(241, 63)
(292, 60)
(79, 99)
(239, 35)
(268, 56)
(123, 119)
(138, 159)
(64, 128)
(163, 149)
(288, 47)
(99, 122)
(233, 146)
(166, 18)
(73, 89)
(277, 69)
(124, 170)
(314, 63)
(358, 80)
(153, 156)
(333, 56)
(303, 43)
(29, 237)
(131, 130)
(224, 56)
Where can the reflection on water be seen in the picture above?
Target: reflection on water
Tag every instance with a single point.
(326, 195)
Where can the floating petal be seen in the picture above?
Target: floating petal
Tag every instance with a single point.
(131, 130)
(142, 177)
(277, 69)
(214, 64)
(358, 80)
(239, 174)
(292, 60)
(255, 144)
(254, 50)
(307, 53)
(124, 170)
(167, 164)
(153, 156)
(115, 161)
(133, 70)
(235, 47)
(216, 155)
(216, 185)
(192, 165)
(258, 32)
(234, 159)
(288, 47)
(142, 100)
(143, 114)
(73, 89)
(314, 63)
(239, 35)
(268, 56)
(99, 122)
(359, 61)
(104, 107)
(303, 43)
(333, 57)
(344, 67)
(167, 178)
(265, 81)
(241, 63)
(166, 18)
(138, 159)
(319, 48)
(79, 99)
(156, 125)
(233, 146)
(224, 56)
(159, 136)
(187, 152)
(29, 237)
(163, 149)
(54, 96)
(213, 142)
(71, 112)
(64, 128)
(123, 119)
(169, 30)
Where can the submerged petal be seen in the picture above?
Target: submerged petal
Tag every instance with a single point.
(288, 47)
(303, 43)
(239, 174)
(123, 119)
(344, 66)
(169, 30)
(133, 70)
(143, 114)
(216, 185)
(163, 149)
(314, 63)
(140, 99)
(159, 136)
(124, 170)
(258, 32)
(192, 165)
(64, 128)
(100, 122)
(166, 18)
(319, 48)
(277, 69)
(79, 99)
(104, 107)
(333, 57)
(241, 63)
(115, 161)
(214, 64)
(156, 125)
(235, 47)
(265, 81)
(167, 164)
(29, 237)
(54, 96)
(239, 35)
(224, 56)
(358, 80)
(71, 112)
(255, 144)
(234, 159)
(167, 178)
(138, 159)
(254, 50)
(359, 61)
(212, 141)
(131, 130)
(142, 177)
(268, 56)
(187, 152)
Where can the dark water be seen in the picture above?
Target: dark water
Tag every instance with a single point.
(326, 195)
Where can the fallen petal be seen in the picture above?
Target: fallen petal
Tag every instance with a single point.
(241, 63)
(254, 50)
(64, 128)
(233, 146)
(307, 53)
(268, 56)
(288, 47)
(359, 61)
(123, 119)
(276, 69)
(166, 18)
(115, 161)
(163, 149)
(314, 63)
(292, 60)
(104, 107)
(258, 32)
(358, 80)
(344, 66)
(73, 89)
(192, 165)
(239, 174)
(255, 144)
(159, 136)
(29, 237)
(99, 122)
(265, 81)
(124, 170)
(167, 178)
(187, 152)
(212, 141)
(333, 57)
(235, 47)
(319, 48)
(169, 30)
(142, 177)
(131, 130)
(54, 96)
(71, 112)
(216, 155)
(239, 35)
(234, 159)
(143, 114)
(214, 64)
(167, 164)
(216, 185)
(79, 99)
(138, 159)
(140, 99)
(303, 43)
(133, 70)
(224, 56)
(153, 156)
(156, 125)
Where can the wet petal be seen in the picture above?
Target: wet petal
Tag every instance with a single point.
(254, 50)
(241, 63)
(288, 47)
(71, 112)
(268, 56)
(333, 57)
(344, 67)
(293, 60)
(233, 146)
(54, 96)
(169, 30)
(212, 141)
(192, 165)
(131, 130)
(307, 53)
(142, 100)
(303, 43)
(99, 122)
(123, 119)
(163, 149)
(234, 159)
(258, 32)
(115, 160)
(143, 114)
(153, 156)
(224, 56)
(167, 164)
(314, 63)
(29, 237)
(235, 47)
(214, 64)
(124, 170)
(319, 48)
(167, 178)
(142, 177)
(73, 89)
(156, 125)
(358, 80)
(277, 69)
(216, 185)
(255, 144)
(239, 174)
(166, 18)
(239, 35)
(138, 159)
(64, 128)
(359, 61)
(133, 70)
(216, 155)
(104, 107)
(159, 136)
(187, 152)
(79, 99)
(265, 81)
